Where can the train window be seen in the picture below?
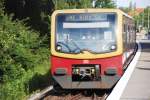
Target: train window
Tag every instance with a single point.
(124, 27)
(93, 32)
(132, 29)
(128, 28)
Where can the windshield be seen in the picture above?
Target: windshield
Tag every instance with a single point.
(93, 32)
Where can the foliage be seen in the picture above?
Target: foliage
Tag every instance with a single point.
(72, 4)
(1, 7)
(18, 46)
(146, 17)
(37, 12)
(142, 18)
(14, 90)
(105, 4)
(21, 50)
(31, 81)
(24, 55)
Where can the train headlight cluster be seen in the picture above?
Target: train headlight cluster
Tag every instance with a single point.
(76, 70)
(93, 70)
(79, 71)
(113, 47)
(58, 48)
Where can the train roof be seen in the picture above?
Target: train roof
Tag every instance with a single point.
(92, 10)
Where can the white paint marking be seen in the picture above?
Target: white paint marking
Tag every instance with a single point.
(120, 86)
(40, 94)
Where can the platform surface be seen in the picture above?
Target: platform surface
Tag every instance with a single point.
(138, 86)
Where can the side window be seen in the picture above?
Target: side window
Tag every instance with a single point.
(128, 28)
(124, 28)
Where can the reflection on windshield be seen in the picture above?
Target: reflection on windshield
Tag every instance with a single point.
(76, 35)
(70, 46)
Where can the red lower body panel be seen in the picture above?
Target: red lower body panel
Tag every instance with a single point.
(104, 81)
(115, 62)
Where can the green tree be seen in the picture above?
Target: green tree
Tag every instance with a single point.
(146, 15)
(143, 19)
(36, 11)
(105, 4)
(70, 4)
(21, 50)
(85, 4)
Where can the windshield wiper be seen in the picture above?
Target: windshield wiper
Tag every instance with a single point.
(77, 47)
(76, 50)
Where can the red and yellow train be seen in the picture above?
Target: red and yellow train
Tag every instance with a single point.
(90, 48)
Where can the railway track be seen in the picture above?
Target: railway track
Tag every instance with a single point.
(77, 95)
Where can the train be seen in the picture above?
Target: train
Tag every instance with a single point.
(91, 48)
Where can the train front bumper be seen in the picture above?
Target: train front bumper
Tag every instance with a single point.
(106, 82)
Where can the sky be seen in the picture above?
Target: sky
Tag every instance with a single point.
(139, 3)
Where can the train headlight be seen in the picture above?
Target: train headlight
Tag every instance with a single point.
(76, 71)
(113, 47)
(93, 70)
(59, 48)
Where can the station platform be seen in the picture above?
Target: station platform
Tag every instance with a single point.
(138, 86)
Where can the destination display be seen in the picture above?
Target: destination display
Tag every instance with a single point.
(87, 25)
(86, 17)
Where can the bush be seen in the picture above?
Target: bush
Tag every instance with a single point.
(21, 51)
(14, 90)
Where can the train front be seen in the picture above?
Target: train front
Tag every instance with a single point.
(85, 47)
